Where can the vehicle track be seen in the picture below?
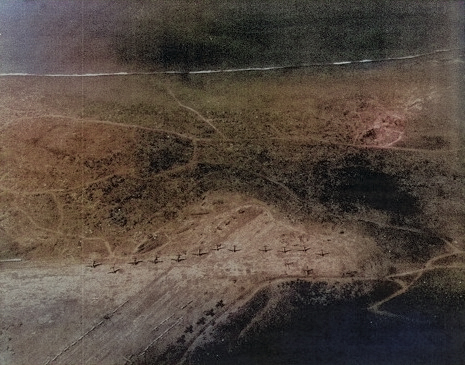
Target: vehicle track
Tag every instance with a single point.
(405, 287)
(199, 115)
(131, 323)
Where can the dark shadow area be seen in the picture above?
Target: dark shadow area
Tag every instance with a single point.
(316, 324)
(437, 298)
(405, 245)
(353, 184)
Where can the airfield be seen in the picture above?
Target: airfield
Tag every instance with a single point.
(152, 212)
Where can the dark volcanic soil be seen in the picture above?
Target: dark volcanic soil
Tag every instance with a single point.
(322, 323)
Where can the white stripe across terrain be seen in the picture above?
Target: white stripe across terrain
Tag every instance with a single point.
(230, 70)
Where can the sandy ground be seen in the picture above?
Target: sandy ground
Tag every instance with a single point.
(122, 183)
(89, 315)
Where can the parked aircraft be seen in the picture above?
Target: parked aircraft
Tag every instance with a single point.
(200, 253)
(322, 253)
(349, 274)
(209, 312)
(218, 247)
(304, 249)
(94, 264)
(113, 270)
(178, 258)
(265, 249)
(134, 261)
(285, 250)
(156, 260)
(220, 304)
(308, 271)
(234, 249)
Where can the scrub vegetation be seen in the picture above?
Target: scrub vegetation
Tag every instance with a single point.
(297, 215)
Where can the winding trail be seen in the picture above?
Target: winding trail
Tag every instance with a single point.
(308, 140)
(200, 116)
(62, 190)
(93, 328)
(35, 224)
(103, 331)
(428, 266)
(397, 278)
